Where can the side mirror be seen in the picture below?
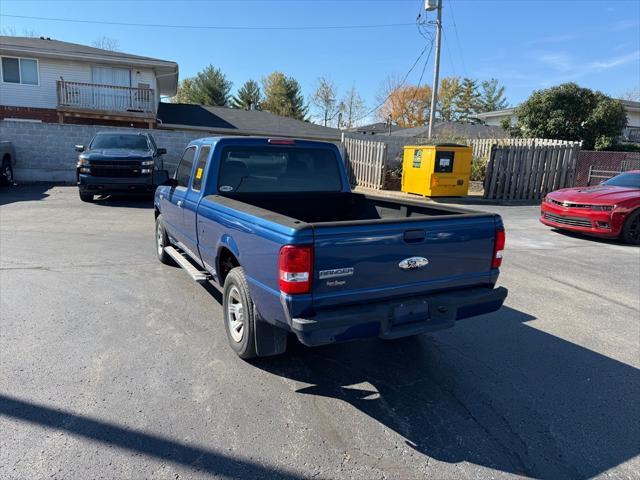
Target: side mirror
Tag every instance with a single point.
(161, 151)
(79, 148)
(161, 177)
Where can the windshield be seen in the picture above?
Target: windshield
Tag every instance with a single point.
(124, 141)
(274, 169)
(629, 179)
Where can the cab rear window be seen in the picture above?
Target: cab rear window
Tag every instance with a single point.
(278, 169)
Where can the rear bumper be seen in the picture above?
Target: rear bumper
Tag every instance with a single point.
(398, 318)
(104, 185)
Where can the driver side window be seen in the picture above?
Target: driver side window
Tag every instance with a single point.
(183, 172)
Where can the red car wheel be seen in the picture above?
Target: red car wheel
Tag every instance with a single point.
(631, 229)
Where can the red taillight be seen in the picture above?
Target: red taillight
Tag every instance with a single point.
(295, 269)
(498, 249)
(281, 141)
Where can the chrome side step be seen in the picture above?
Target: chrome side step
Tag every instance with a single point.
(195, 274)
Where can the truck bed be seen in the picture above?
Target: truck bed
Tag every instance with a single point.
(293, 209)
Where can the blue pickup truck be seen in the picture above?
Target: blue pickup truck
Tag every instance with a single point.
(275, 224)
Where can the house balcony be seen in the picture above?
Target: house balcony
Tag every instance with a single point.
(105, 102)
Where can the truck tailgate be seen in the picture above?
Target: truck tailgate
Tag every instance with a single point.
(362, 262)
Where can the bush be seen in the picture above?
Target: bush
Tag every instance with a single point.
(478, 169)
(621, 147)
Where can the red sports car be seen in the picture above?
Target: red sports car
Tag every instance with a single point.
(611, 209)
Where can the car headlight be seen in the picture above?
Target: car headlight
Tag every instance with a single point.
(602, 208)
(145, 170)
(83, 162)
(147, 162)
(85, 170)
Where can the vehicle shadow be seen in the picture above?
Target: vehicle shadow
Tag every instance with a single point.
(167, 450)
(503, 395)
(589, 238)
(124, 201)
(23, 193)
(477, 200)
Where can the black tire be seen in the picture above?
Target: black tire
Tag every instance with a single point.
(86, 197)
(631, 229)
(236, 290)
(6, 174)
(162, 240)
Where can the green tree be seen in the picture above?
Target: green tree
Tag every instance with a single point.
(448, 96)
(492, 96)
(468, 100)
(248, 96)
(209, 87)
(283, 96)
(569, 112)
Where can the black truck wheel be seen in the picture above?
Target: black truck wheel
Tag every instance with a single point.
(631, 230)
(239, 314)
(86, 197)
(6, 174)
(162, 240)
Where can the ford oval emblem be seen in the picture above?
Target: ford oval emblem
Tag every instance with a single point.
(413, 263)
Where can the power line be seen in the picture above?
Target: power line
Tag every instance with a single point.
(446, 44)
(213, 27)
(455, 28)
(404, 79)
(420, 24)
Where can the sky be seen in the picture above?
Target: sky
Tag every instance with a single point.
(525, 44)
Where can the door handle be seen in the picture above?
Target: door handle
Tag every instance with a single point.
(179, 203)
(414, 236)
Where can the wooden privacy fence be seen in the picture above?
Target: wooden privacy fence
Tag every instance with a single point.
(482, 146)
(366, 162)
(529, 172)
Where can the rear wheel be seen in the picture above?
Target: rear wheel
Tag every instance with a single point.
(239, 314)
(631, 229)
(6, 174)
(162, 241)
(86, 197)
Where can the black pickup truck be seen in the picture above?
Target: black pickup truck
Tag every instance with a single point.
(118, 162)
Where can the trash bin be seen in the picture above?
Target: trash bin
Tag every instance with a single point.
(441, 170)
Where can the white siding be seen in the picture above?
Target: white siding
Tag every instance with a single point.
(50, 70)
(633, 119)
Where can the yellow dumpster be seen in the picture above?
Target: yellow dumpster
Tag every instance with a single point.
(441, 170)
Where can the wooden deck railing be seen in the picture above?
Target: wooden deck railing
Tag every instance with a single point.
(110, 98)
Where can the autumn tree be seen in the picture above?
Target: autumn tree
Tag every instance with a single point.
(491, 96)
(448, 95)
(406, 105)
(283, 96)
(325, 101)
(209, 87)
(352, 107)
(248, 96)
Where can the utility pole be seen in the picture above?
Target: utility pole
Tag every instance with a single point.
(436, 69)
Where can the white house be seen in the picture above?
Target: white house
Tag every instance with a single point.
(631, 132)
(54, 81)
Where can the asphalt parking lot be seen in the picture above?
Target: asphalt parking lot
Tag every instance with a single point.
(113, 365)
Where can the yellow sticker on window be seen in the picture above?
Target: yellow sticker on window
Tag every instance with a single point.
(199, 173)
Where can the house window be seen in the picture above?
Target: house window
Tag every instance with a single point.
(20, 70)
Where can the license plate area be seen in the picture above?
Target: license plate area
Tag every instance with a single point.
(412, 312)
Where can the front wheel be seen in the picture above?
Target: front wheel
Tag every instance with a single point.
(86, 197)
(6, 174)
(162, 241)
(631, 229)
(239, 314)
